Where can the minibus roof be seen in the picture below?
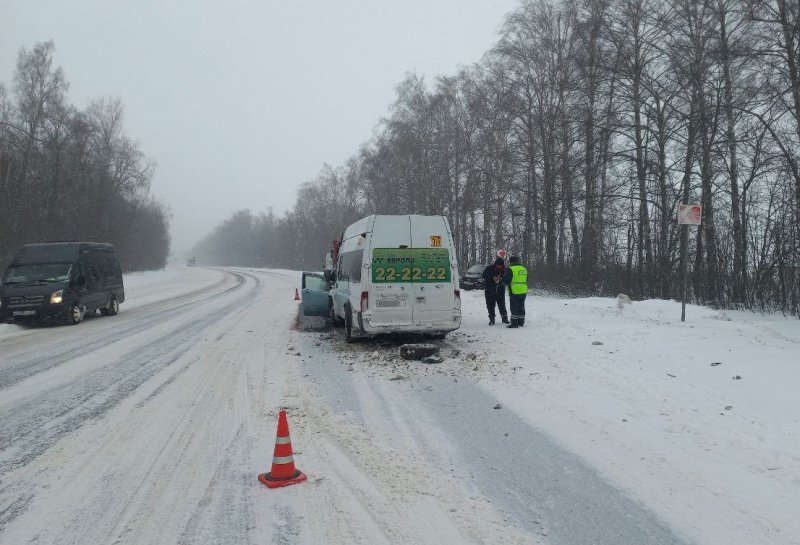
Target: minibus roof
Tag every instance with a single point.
(58, 252)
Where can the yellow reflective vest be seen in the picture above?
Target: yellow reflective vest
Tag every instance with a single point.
(519, 280)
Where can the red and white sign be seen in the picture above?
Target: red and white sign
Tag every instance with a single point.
(690, 214)
(502, 253)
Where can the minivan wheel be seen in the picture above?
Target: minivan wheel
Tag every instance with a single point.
(74, 314)
(111, 308)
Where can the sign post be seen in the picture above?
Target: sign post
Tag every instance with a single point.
(688, 214)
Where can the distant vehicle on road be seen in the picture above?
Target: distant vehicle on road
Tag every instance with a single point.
(191, 262)
(61, 280)
(393, 274)
(473, 278)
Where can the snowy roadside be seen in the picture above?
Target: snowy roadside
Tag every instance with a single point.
(695, 420)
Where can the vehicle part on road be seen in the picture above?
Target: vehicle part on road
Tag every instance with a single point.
(418, 351)
(283, 472)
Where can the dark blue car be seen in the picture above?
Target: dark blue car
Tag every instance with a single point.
(473, 278)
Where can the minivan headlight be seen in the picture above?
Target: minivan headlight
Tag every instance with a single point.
(57, 297)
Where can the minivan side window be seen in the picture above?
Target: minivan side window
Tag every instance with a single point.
(77, 271)
(91, 272)
(109, 268)
(350, 266)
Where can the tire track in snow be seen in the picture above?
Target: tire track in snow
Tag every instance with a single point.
(15, 508)
(224, 513)
(148, 491)
(286, 530)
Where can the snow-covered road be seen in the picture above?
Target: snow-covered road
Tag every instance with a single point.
(592, 425)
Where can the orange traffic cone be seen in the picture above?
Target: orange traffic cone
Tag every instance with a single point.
(283, 471)
(296, 295)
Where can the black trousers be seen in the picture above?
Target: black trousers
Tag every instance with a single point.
(517, 308)
(496, 296)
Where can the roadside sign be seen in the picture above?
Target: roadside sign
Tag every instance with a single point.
(690, 214)
(502, 253)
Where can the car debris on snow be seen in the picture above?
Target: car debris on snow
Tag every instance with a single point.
(418, 351)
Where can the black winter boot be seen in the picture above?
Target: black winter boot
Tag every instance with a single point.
(491, 320)
(514, 324)
(505, 319)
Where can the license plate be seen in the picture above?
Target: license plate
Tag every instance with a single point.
(24, 313)
(391, 303)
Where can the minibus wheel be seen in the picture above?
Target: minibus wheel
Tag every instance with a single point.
(348, 325)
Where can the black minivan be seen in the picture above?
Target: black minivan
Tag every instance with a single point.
(61, 280)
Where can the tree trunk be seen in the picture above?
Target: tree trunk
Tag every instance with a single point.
(733, 169)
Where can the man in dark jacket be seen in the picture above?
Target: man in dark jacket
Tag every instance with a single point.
(495, 290)
(516, 277)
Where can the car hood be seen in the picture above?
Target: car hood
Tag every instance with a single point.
(44, 288)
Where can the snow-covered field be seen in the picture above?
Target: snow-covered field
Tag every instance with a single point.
(593, 424)
(697, 420)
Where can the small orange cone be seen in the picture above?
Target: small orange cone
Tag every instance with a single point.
(296, 295)
(283, 471)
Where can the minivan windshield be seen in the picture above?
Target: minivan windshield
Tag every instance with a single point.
(43, 272)
(476, 269)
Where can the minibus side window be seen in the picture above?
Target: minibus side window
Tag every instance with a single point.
(350, 266)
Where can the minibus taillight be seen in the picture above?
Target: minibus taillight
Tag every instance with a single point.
(364, 301)
(457, 295)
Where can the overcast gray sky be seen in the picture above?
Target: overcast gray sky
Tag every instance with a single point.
(240, 102)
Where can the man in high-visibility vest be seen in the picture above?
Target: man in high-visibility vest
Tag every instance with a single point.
(516, 278)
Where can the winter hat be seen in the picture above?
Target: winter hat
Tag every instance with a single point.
(499, 261)
(513, 259)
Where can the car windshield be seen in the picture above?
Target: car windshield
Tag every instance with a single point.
(476, 269)
(43, 272)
